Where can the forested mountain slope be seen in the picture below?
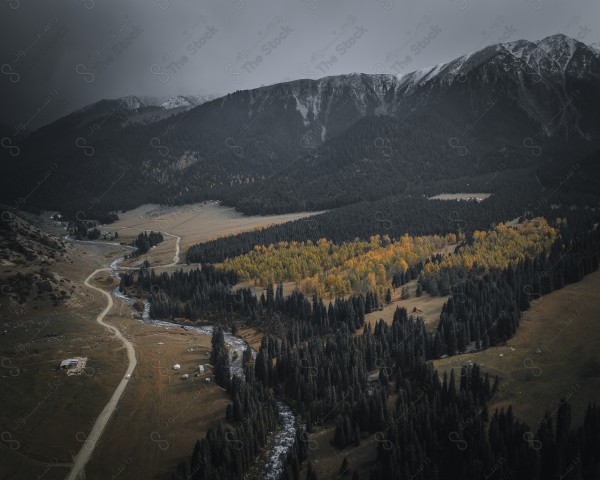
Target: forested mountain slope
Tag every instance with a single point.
(323, 143)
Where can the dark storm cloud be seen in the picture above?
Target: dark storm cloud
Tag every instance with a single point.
(59, 56)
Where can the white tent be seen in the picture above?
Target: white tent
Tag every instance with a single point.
(176, 366)
(201, 368)
(69, 363)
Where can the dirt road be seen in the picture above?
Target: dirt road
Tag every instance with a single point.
(177, 245)
(92, 439)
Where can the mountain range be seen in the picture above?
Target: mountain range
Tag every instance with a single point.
(320, 144)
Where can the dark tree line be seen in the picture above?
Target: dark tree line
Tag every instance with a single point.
(183, 294)
(81, 229)
(400, 278)
(444, 438)
(574, 195)
(228, 451)
(440, 428)
(145, 241)
(195, 294)
(220, 359)
(396, 215)
(84, 229)
(485, 309)
(325, 378)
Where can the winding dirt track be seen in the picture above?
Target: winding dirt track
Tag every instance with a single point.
(85, 453)
(92, 439)
(176, 257)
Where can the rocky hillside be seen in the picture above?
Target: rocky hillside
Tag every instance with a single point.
(27, 254)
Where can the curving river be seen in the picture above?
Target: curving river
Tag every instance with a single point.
(279, 443)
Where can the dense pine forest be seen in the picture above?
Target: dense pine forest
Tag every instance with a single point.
(439, 428)
(228, 451)
(411, 211)
(368, 380)
(554, 190)
(489, 286)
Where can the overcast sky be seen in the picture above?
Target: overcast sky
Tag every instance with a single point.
(59, 56)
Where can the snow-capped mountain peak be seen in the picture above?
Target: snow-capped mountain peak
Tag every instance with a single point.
(554, 54)
(515, 66)
(560, 47)
(519, 47)
(557, 42)
(175, 102)
(547, 57)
